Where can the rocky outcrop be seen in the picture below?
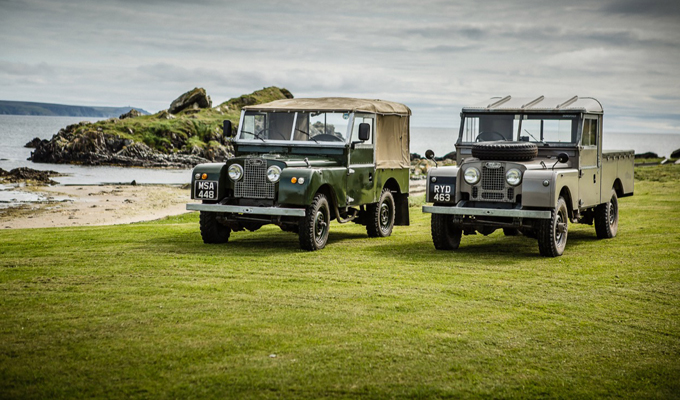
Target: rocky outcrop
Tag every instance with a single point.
(98, 148)
(33, 143)
(130, 114)
(193, 99)
(27, 175)
(646, 155)
(675, 154)
(162, 140)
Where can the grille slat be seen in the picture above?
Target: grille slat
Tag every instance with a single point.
(254, 184)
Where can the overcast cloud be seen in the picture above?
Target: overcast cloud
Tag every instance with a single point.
(434, 56)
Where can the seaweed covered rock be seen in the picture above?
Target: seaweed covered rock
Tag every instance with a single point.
(27, 175)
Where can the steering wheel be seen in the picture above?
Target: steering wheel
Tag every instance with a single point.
(487, 136)
(325, 137)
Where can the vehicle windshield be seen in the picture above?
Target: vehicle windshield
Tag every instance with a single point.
(537, 128)
(295, 126)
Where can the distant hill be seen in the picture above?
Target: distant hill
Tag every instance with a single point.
(29, 108)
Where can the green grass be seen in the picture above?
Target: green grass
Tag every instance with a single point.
(148, 310)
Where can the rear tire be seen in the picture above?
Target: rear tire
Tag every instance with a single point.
(314, 227)
(607, 218)
(552, 233)
(212, 231)
(381, 216)
(445, 234)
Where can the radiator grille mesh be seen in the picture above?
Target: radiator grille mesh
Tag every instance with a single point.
(493, 178)
(254, 184)
(493, 185)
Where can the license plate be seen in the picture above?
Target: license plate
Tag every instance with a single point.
(443, 190)
(443, 193)
(206, 190)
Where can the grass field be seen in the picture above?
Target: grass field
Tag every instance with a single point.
(147, 310)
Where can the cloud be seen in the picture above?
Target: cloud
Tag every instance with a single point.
(434, 56)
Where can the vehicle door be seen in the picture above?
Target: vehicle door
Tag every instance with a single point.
(590, 162)
(361, 166)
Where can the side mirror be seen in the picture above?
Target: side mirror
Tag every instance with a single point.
(429, 154)
(364, 131)
(226, 128)
(563, 157)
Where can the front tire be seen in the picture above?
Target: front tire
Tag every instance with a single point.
(381, 216)
(314, 227)
(445, 234)
(607, 218)
(212, 231)
(552, 233)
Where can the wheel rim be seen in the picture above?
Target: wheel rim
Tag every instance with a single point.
(320, 226)
(613, 211)
(561, 228)
(385, 216)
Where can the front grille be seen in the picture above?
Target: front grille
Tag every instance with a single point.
(254, 184)
(493, 178)
(511, 193)
(493, 186)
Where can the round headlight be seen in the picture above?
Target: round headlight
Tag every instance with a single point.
(513, 177)
(235, 172)
(274, 173)
(472, 175)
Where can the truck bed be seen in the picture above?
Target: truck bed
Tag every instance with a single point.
(617, 169)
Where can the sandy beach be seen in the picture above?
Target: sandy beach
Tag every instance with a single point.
(103, 205)
(95, 205)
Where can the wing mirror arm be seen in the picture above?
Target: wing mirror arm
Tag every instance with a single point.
(429, 154)
(561, 158)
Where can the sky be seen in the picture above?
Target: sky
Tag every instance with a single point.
(434, 56)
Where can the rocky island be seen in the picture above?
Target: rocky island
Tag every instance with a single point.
(187, 133)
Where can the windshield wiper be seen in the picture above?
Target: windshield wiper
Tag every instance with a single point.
(532, 136)
(256, 135)
(307, 133)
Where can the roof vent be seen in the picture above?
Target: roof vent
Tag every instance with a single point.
(499, 102)
(567, 103)
(533, 102)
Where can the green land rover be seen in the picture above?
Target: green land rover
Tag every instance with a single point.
(300, 163)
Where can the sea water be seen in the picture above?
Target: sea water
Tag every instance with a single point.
(17, 130)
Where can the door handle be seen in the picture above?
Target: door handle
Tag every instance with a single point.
(594, 178)
(370, 177)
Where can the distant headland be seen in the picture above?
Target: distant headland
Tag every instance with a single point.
(8, 107)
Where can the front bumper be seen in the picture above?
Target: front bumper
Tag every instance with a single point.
(288, 212)
(487, 212)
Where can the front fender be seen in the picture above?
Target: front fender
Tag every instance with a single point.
(215, 172)
(296, 193)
